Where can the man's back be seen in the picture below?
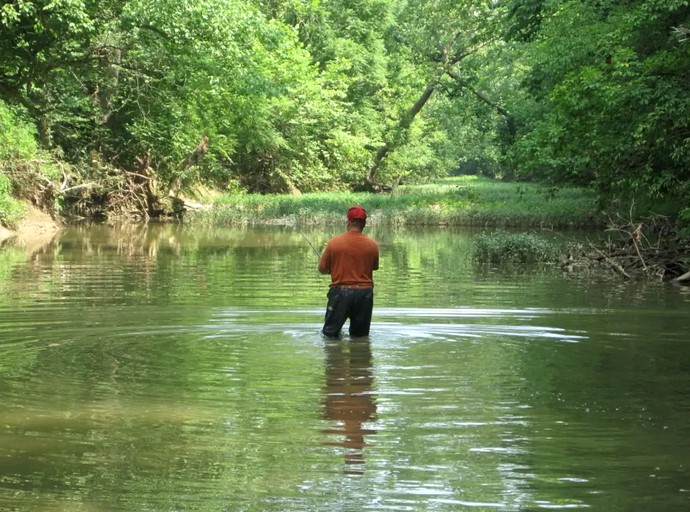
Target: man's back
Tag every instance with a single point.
(350, 258)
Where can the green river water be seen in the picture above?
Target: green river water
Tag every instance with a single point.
(171, 368)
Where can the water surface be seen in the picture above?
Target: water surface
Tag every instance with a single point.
(170, 368)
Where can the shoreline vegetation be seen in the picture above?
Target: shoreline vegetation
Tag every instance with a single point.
(454, 201)
(518, 219)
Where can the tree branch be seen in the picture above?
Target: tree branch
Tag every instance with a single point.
(482, 97)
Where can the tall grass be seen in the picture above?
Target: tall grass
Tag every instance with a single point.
(510, 248)
(459, 201)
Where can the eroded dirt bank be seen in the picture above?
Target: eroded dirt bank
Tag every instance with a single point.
(36, 228)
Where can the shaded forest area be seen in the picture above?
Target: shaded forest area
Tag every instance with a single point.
(126, 108)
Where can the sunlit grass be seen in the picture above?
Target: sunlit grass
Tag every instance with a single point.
(458, 201)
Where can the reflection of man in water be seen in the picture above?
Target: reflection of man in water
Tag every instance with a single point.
(348, 401)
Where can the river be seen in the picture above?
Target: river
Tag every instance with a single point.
(177, 368)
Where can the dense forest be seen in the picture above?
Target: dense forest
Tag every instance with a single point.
(105, 102)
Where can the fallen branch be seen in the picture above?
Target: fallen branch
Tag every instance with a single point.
(194, 206)
(683, 278)
(611, 263)
(130, 173)
(77, 187)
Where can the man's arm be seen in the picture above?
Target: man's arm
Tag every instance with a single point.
(325, 262)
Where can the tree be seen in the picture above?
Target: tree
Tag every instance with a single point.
(614, 80)
(435, 39)
(49, 49)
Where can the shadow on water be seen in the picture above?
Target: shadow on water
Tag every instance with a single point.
(348, 402)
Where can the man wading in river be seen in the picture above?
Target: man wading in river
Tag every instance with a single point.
(350, 259)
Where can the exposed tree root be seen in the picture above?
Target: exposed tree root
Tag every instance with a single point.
(107, 192)
(118, 194)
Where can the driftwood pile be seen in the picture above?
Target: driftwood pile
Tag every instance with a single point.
(635, 250)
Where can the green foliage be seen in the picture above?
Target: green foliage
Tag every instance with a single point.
(523, 19)
(154, 78)
(509, 248)
(50, 55)
(272, 120)
(471, 130)
(610, 106)
(17, 137)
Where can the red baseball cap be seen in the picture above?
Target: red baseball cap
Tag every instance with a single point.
(357, 213)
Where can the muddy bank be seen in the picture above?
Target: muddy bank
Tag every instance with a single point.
(36, 229)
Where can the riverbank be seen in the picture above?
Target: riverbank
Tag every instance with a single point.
(34, 229)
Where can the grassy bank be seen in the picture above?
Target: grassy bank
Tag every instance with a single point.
(458, 201)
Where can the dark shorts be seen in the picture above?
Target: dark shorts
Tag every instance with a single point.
(353, 303)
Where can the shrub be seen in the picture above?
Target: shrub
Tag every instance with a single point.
(17, 138)
(503, 247)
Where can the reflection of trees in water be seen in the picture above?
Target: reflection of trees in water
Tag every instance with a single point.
(348, 399)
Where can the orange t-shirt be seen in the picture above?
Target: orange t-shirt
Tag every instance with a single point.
(350, 258)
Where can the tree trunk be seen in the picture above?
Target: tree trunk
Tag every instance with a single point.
(45, 132)
(395, 135)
